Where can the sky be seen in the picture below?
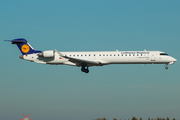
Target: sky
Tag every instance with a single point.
(61, 92)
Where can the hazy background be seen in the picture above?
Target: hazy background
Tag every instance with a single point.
(65, 93)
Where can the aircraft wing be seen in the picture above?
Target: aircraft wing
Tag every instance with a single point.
(79, 62)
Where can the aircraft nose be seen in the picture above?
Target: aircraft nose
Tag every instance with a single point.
(175, 60)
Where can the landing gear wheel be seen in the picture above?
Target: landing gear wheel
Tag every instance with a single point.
(166, 67)
(86, 71)
(83, 69)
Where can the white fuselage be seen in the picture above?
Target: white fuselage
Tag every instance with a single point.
(88, 59)
(106, 57)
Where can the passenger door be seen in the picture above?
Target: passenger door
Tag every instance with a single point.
(153, 57)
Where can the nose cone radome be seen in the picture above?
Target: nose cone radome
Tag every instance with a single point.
(174, 60)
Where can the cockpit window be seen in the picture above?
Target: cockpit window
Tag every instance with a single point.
(163, 54)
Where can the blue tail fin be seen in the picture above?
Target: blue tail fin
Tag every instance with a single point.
(24, 46)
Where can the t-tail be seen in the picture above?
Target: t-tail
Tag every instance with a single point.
(24, 46)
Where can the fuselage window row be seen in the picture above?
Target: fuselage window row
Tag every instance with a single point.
(111, 55)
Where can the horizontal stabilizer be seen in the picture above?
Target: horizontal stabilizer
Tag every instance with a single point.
(15, 41)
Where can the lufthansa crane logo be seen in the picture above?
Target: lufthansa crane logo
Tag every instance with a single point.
(25, 48)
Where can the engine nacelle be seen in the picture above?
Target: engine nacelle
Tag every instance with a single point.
(47, 54)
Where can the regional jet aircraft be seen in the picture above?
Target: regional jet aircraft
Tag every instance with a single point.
(88, 59)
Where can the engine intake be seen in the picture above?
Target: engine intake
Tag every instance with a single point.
(47, 54)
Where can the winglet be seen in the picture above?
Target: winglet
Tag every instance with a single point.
(26, 116)
(60, 54)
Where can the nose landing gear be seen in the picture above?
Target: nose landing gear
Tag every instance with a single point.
(166, 66)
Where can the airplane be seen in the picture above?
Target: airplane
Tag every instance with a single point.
(89, 59)
(26, 117)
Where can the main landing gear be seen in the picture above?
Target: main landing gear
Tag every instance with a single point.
(85, 69)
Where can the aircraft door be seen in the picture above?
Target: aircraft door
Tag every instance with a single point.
(153, 58)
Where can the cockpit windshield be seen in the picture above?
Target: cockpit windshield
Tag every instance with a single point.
(163, 54)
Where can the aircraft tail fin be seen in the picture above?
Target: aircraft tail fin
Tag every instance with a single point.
(24, 46)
